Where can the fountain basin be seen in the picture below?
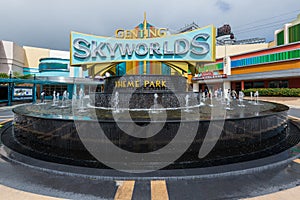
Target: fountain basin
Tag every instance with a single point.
(50, 134)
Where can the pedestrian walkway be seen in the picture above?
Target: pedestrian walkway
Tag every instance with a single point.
(293, 102)
(4, 107)
(289, 194)
(9, 193)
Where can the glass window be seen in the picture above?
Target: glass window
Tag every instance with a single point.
(280, 38)
(279, 84)
(258, 84)
(294, 33)
(49, 89)
(248, 85)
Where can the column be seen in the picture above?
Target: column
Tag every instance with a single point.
(74, 94)
(242, 85)
(34, 90)
(226, 86)
(9, 90)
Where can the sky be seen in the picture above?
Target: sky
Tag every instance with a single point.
(48, 23)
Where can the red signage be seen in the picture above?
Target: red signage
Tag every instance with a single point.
(205, 74)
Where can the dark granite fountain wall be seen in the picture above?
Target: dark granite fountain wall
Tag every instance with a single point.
(57, 140)
(144, 100)
(171, 92)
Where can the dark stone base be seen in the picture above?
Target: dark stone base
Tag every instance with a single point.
(242, 139)
(215, 158)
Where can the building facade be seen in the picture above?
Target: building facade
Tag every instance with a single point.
(274, 65)
(237, 66)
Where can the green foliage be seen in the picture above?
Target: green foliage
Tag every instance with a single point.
(279, 92)
(4, 75)
(19, 76)
(16, 75)
(28, 76)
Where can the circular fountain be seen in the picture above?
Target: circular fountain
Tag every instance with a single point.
(235, 132)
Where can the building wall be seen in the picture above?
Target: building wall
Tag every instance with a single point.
(290, 33)
(59, 54)
(238, 49)
(267, 67)
(33, 56)
(294, 83)
(11, 57)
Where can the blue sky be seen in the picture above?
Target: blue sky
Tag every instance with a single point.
(47, 24)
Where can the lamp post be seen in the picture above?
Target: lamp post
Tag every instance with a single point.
(34, 90)
(9, 96)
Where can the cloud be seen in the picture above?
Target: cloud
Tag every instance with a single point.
(223, 6)
(47, 24)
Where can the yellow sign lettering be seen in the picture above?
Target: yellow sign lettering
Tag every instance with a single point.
(137, 84)
(119, 33)
(157, 84)
(130, 84)
(152, 84)
(146, 83)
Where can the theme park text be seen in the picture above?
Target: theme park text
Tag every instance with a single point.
(137, 84)
(196, 45)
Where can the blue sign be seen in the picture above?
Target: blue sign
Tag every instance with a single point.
(197, 45)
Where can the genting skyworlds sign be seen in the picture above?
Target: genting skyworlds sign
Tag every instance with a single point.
(197, 45)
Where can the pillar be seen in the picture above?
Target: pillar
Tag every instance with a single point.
(266, 84)
(242, 85)
(196, 87)
(226, 86)
(74, 90)
(10, 91)
(233, 84)
(34, 90)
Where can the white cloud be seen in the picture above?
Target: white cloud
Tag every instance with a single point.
(48, 23)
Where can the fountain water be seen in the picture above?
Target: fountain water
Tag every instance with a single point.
(241, 99)
(54, 99)
(211, 100)
(255, 133)
(116, 103)
(155, 101)
(222, 98)
(187, 99)
(203, 96)
(64, 100)
(57, 98)
(251, 97)
(81, 101)
(228, 103)
(200, 99)
(155, 107)
(43, 97)
(256, 95)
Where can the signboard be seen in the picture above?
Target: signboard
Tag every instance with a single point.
(207, 74)
(22, 93)
(219, 76)
(197, 45)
